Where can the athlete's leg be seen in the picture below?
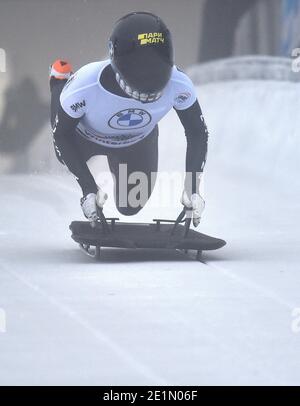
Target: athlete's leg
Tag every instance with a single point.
(134, 169)
(60, 73)
(87, 148)
(56, 87)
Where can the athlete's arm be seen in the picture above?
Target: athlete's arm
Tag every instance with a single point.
(197, 138)
(67, 151)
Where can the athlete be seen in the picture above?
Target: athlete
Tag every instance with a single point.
(113, 107)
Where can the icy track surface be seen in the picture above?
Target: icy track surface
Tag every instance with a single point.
(150, 317)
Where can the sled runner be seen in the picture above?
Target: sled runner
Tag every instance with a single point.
(161, 234)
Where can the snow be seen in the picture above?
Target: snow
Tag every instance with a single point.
(262, 67)
(159, 317)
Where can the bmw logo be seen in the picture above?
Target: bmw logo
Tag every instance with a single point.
(130, 119)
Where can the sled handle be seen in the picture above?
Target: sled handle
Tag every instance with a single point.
(103, 221)
(159, 221)
(112, 222)
(179, 219)
(188, 221)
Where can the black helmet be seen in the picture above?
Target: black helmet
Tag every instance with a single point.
(141, 54)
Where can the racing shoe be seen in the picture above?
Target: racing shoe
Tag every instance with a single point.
(61, 70)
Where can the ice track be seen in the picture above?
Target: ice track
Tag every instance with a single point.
(151, 317)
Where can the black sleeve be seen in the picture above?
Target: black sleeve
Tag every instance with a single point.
(197, 138)
(67, 152)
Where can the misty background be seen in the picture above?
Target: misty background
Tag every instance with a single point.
(35, 33)
(157, 317)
